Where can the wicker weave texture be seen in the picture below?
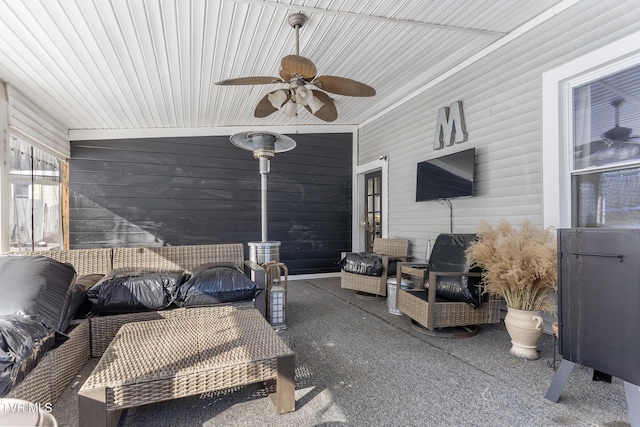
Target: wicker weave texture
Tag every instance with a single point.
(391, 247)
(178, 257)
(202, 350)
(70, 357)
(447, 314)
(363, 283)
(105, 328)
(55, 371)
(85, 261)
(36, 386)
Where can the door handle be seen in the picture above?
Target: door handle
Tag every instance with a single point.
(577, 254)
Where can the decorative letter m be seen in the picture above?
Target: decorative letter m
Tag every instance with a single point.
(450, 126)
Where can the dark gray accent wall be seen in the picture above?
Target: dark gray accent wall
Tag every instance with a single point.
(202, 190)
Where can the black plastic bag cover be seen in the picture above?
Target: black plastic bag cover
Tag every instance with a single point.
(77, 305)
(128, 291)
(214, 284)
(23, 342)
(36, 286)
(448, 254)
(365, 263)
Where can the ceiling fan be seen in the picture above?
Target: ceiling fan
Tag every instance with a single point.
(299, 73)
(617, 143)
(618, 133)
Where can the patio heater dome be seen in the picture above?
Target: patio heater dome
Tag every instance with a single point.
(264, 146)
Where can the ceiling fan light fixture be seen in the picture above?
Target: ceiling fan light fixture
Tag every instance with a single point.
(303, 95)
(290, 108)
(278, 98)
(315, 104)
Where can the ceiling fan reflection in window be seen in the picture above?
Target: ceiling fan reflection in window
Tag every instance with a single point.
(617, 144)
(304, 87)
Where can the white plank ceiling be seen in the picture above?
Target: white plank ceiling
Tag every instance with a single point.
(139, 64)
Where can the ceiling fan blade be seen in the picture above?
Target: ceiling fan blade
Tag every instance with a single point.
(264, 107)
(296, 65)
(618, 133)
(259, 80)
(328, 111)
(343, 86)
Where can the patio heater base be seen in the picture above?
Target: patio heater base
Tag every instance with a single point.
(262, 252)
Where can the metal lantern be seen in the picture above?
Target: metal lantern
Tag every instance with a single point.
(277, 305)
(277, 297)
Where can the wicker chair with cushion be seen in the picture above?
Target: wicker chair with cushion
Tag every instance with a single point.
(453, 303)
(388, 252)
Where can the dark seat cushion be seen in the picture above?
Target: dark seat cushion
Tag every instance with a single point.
(448, 255)
(134, 290)
(36, 286)
(366, 263)
(23, 342)
(78, 305)
(216, 283)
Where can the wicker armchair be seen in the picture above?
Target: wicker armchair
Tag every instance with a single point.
(391, 250)
(437, 313)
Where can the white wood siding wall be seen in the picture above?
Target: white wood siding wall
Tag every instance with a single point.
(502, 103)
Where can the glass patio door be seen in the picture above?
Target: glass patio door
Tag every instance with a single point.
(373, 208)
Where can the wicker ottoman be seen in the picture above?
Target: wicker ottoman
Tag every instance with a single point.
(157, 360)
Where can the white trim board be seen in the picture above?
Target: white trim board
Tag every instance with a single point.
(94, 134)
(359, 172)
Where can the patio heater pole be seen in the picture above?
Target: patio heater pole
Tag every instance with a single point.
(264, 146)
(264, 170)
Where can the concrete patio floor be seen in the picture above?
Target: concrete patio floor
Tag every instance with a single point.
(359, 365)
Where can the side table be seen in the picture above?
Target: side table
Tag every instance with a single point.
(418, 270)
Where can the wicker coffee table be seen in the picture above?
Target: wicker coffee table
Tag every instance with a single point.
(165, 359)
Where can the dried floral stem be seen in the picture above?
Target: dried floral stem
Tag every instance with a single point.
(519, 265)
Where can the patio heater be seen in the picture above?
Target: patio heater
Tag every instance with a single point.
(264, 145)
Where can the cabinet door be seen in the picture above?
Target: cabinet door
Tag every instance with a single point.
(599, 298)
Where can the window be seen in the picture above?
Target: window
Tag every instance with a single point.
(605, 172)
(563, 135)
(36, 215)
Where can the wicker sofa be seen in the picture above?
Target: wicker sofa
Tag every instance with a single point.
(89, 337)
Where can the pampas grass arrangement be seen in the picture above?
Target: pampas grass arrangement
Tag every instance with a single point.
(520, 265)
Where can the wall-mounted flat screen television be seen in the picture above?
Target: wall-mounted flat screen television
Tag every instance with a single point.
(446, 177)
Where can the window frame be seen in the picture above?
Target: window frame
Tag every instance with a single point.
(557, 120)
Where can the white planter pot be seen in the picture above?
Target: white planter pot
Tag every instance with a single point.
(525, 329)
